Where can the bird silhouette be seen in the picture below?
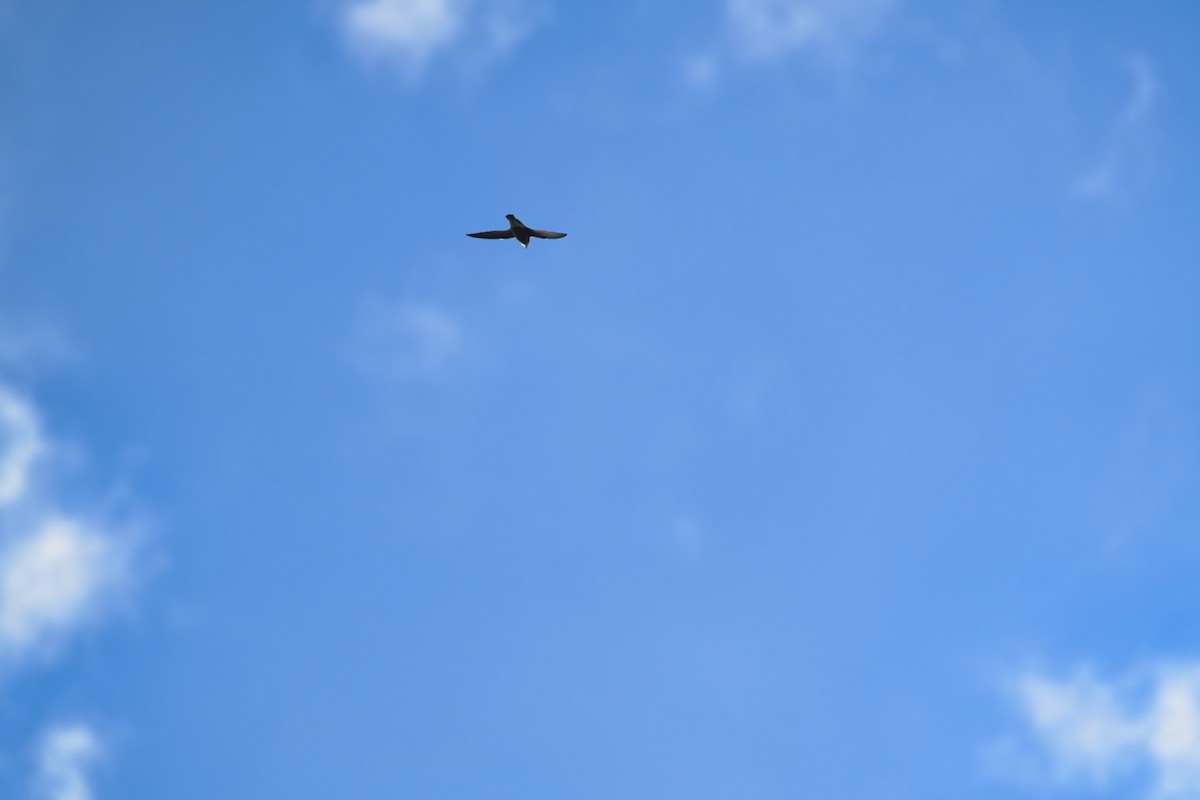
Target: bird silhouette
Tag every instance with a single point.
(519, 231)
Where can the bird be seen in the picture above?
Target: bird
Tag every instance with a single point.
(517, 230)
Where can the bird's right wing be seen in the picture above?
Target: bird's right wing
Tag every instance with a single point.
(492, 234)
(547, 234)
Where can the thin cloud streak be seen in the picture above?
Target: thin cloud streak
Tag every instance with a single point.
(1104, 177)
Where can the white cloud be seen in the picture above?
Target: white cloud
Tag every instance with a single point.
(830, 34)
(1120, 147)
(66, 754)
(20, 445)
(406, 340)
(832, 29)
(408, 34)
(51, 581)
(409, 31)
(1095, 732)
(57, 568)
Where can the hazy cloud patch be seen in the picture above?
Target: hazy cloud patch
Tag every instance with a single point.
(1083, 730)
(406, 35)
(32, 344)
(406, 340)
(66, 754)
(829, 29)
(405, 31)
(20, 446)
(829, 34)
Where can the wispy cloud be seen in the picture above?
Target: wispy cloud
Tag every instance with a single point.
(829, 29)
(689, 537)
(58, 567)
(407, 34)
(829, 34)
(66, 754)
(1085, 730)
(406, 340)
(1120, 148)
(20, 446)
(31, 344)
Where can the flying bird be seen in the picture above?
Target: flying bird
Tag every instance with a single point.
(517, 230)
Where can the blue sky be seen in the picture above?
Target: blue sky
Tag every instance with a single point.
(848, 446)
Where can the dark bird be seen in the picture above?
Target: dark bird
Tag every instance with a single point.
(517, 230)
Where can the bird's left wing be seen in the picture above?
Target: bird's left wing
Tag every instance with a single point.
(547, 234)
(492, 234)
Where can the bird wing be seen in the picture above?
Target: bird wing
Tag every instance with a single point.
(546, 234)
(492, 234)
